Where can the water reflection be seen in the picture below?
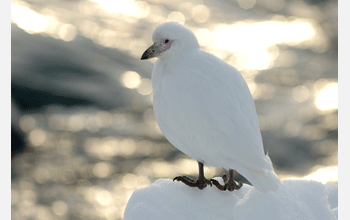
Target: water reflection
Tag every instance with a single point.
(323, 174)
(327, 98)
(85, 162)
(33, 22)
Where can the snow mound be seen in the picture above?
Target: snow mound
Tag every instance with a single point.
(295, 199)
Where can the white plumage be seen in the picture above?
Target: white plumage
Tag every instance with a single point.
(204, 107)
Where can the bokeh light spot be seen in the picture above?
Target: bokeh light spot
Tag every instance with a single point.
(145, 87)
(57, 121)
(104, 197)
(129, 181)
(130, 79)
(176, 16)
(60, 208)
(76, 122)
(67, 32)
(200, 13)
(246, 4)
(327, 98)
(102, 170)
(27, 123)
(127, 146)
(37, 137)
(300, 93)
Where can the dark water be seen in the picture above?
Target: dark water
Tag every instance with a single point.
(82, 117)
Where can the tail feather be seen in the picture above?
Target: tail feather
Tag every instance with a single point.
(263, 180)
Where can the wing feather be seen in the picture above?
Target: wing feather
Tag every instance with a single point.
(205, 109)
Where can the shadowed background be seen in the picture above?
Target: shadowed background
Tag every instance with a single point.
(84, 135)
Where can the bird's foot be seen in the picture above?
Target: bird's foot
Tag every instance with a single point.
(229, 185)
(201, 183)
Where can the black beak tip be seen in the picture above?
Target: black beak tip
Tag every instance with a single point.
(145, 56)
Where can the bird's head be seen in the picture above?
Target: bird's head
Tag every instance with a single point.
(170, 38)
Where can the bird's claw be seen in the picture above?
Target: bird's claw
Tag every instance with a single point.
(218, 185)
(229, 184)
(176, 178)
(201, 183)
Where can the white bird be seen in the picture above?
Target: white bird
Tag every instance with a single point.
(204, 108)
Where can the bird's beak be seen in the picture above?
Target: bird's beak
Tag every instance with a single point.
(151, 52)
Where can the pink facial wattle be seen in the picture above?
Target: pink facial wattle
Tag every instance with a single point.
(164, 46)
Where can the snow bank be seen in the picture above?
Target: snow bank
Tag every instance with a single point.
(295, 199)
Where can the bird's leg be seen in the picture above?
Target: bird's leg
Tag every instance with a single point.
(201, 182)
(230, 183)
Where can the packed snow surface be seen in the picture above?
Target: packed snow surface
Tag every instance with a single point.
(295, 199)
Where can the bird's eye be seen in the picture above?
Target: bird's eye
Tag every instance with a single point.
(166, 41)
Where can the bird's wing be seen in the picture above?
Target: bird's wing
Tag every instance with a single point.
(204, 108)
